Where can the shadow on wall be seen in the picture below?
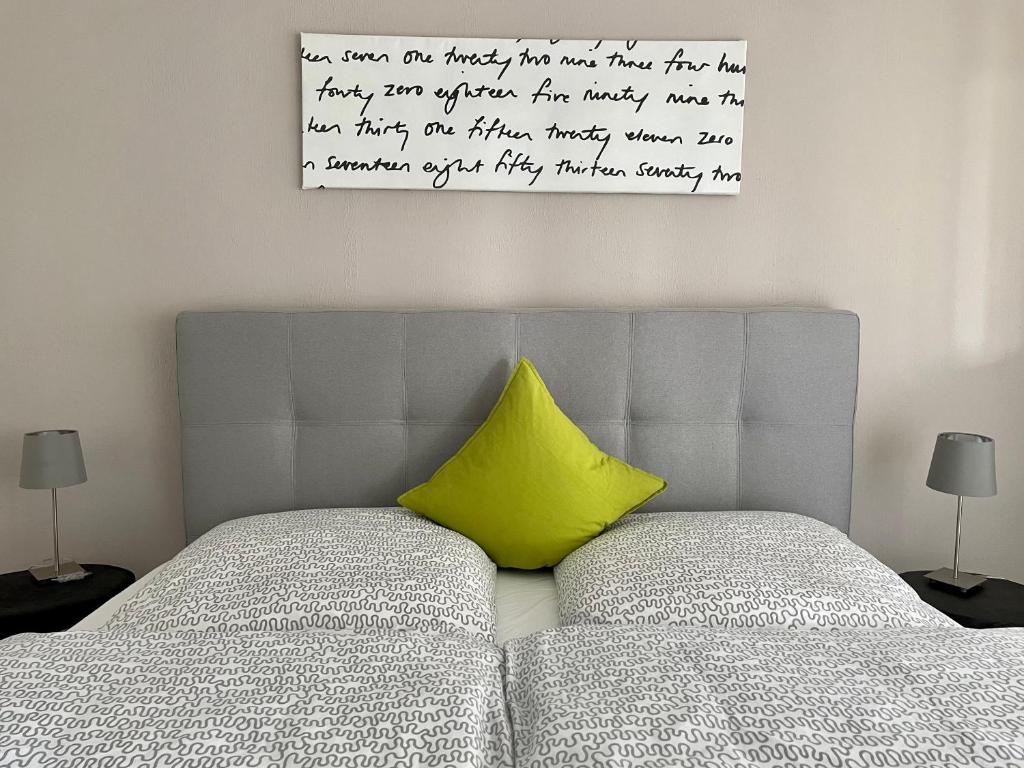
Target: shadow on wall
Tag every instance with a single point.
(964, 368)
(987, 278)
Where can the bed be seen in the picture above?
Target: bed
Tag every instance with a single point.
(737, 409)
(300, 429)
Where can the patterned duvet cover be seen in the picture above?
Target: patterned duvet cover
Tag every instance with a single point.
(702, 698)
(295, 700)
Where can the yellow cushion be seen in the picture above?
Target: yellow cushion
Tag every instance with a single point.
(529, 487)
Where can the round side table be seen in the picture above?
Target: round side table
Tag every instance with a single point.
(27, 605)
(996, 603)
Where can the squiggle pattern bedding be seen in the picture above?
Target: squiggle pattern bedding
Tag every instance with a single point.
(302, 700)
(733, 569)
(357, 569)
(693, 698)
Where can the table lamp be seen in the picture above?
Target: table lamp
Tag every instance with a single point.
(963, 465)
(53, 459)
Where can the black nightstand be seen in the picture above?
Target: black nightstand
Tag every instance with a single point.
(996, 603)
(27, 605)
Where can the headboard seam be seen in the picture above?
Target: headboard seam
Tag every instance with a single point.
(739, 412)
(405, 400)
(629, 383)
(515, 362)
(291, 403)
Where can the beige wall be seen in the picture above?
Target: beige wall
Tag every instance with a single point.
(150, 163)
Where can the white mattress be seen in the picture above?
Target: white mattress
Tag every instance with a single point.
(525, 602)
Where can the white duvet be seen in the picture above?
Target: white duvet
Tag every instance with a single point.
(699, 698)
(337, 569)
(213, 700)
(733, 569)
(360, 637)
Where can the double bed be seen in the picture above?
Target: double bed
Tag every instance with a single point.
(730, 622)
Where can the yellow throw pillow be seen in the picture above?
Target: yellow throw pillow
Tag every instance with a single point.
(529, 487)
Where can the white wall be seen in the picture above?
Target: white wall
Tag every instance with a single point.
(150, 158)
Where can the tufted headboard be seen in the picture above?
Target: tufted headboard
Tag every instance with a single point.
(736, 408)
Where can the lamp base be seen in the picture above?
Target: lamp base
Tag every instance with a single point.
(963, 583)
(67, 571)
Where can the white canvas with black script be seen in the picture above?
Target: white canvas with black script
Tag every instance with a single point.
(522, 115)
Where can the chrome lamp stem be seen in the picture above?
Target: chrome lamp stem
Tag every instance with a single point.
(956, 547)
(954, 579)
(70, 570)
(56, 545)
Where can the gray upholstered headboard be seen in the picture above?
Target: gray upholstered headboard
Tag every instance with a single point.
(737, 409)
